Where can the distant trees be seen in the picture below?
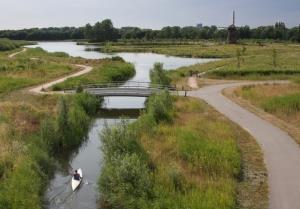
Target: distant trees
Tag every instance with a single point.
(42, 34)
(105, 31)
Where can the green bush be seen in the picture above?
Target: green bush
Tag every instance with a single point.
(159, 76)
(79, 122)
(89, 103)
(160, 106)
(117, 58)
(22, 189)
(253, 72)
(6, 44)
(71, 125)
(119, 141)
(126, 183)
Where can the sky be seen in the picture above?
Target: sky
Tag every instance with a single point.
(155, 14)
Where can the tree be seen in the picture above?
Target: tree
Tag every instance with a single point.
(88, 31)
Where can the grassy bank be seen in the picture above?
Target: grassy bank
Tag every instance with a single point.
(272, 61)
(32, 67)
(6, 44)
(199, 49)
(282, 100)
(108, 71)
(33, 131)
(181, 154)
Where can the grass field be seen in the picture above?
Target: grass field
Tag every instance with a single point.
(31, 67)
(33, 130)
(193, 159)
(282, 100)
(271, 61)
(248, 60)
(107, 71)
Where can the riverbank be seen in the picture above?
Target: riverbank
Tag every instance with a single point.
(182, 156)
(269, 62)
(36, 129)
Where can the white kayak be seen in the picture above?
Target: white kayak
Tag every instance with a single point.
(75, 183)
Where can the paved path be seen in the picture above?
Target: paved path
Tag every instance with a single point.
(282, 154)
(40, 89)
(15, 54)
(192, 82)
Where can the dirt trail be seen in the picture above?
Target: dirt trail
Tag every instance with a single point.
(281, 152)
(15, 54)
(40, 89)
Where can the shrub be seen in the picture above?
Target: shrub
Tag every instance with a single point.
(79, 124)
(158, 75)
(160, 106)
(49, 136)
(22, 189)
(125, 183)
(119, 141)
(88, 102)
(117, 58)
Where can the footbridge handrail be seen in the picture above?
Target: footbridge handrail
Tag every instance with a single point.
(124, 85)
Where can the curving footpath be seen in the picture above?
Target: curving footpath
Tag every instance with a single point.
(15, 54)
(281, 152)
(41, 88)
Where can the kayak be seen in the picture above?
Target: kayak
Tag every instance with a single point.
(75, 183)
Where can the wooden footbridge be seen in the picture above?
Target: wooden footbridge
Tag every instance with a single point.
(119, 89)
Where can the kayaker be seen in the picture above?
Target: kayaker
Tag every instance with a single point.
(76, 176)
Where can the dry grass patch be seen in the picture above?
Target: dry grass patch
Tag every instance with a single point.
(277, 99)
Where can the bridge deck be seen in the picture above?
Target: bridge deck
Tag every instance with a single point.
(135, 89)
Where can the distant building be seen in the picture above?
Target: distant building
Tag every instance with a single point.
(232, 32)
(200, 26)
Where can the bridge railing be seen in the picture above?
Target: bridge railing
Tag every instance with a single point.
(127, 85)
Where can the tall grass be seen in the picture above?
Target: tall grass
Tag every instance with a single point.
(23, 70)
(288, 104)
(22, 184)
(186, 161)
(6, 44)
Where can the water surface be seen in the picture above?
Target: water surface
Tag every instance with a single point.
(59, 195)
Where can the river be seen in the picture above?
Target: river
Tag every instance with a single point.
(59, 194)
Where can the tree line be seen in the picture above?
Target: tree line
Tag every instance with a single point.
(105, 31)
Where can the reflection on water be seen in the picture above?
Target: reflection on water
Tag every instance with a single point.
(59, 194)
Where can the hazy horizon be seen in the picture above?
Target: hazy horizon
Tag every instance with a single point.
(141, 13)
